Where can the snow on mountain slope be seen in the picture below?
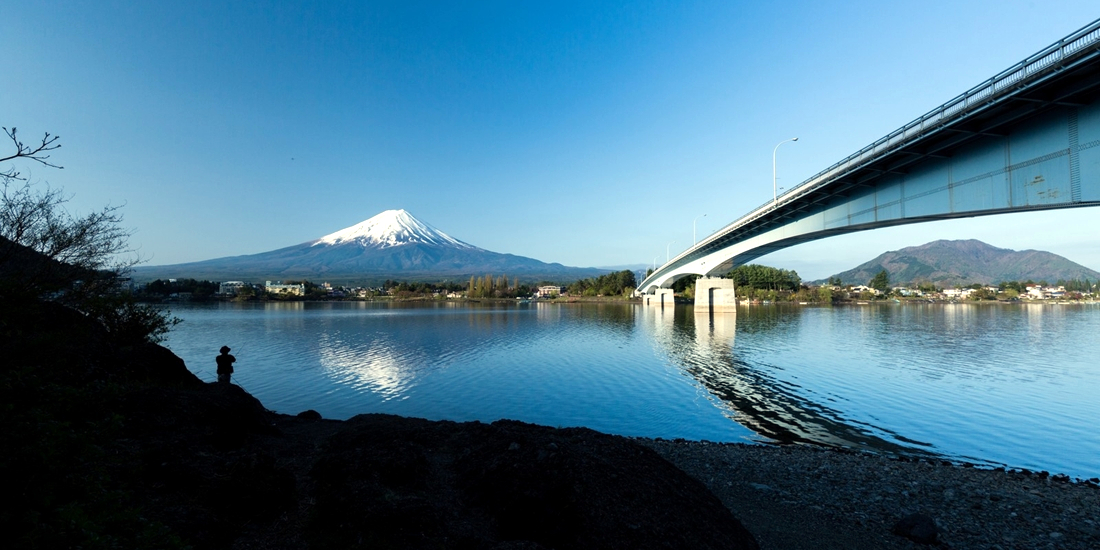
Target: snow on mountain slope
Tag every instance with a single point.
(392, 228)
(391, 245)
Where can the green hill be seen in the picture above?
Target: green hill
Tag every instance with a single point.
(954, 263)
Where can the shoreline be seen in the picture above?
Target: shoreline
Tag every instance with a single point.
(843, 499)
(153, 456)
(619, 300)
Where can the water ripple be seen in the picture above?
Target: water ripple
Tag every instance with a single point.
(1011, 385)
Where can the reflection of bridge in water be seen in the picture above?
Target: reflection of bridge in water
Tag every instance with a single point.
(1027, 139)
(702, 343)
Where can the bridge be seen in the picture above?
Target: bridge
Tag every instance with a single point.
(1026, 139)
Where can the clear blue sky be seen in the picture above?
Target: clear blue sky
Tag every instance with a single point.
(585, 133)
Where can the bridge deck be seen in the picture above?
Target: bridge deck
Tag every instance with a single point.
(1026, 139)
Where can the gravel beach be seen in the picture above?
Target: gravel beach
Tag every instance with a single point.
(800, 497)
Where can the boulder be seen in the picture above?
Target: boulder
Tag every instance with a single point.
(411, 483)
(919, 528)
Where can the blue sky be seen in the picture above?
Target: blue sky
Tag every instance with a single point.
(585, 133)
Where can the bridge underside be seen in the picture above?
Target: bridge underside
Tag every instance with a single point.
(1026, 139)
(1048, 162)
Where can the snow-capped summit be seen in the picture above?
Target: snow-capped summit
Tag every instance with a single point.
(392, 244)
(392, 228)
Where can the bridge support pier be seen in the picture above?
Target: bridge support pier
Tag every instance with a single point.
(715, 294)
(662, 297)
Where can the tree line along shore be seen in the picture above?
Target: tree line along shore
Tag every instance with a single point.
(754, 283)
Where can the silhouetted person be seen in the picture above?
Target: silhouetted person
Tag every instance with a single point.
(225, 365)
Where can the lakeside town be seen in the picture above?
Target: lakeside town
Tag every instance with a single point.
(187, 290)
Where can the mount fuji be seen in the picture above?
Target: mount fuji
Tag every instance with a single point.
(391, 245)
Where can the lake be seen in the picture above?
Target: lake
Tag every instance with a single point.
(1012, 385)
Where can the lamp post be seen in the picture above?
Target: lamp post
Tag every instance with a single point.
(695, 241)
(666, 250)
(775, 190)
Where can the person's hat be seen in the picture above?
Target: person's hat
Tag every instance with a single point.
(225, 349)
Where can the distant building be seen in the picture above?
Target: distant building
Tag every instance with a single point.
(904, 291)
(231, 288)
(1039, 292)
(547, 291)
(865, 288)
(279, 288)
(957, 293)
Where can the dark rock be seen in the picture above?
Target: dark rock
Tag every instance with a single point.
(919, 528)
(410, 483)
(309, 414)
(157, 364)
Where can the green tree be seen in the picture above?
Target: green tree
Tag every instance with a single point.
(246, 292)
(755, 276)
(983, 293)
(880, 282)
(611, 284)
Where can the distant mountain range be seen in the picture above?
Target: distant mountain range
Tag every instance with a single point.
(391, 245)
(955, 263)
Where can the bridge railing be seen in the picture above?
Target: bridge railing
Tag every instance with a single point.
(998, 87)
(983, 94)
(1010, 80)
(1006, 82)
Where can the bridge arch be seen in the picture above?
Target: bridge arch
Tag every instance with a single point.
(1027, 139)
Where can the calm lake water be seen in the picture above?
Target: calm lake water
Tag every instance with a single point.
(1015, 385)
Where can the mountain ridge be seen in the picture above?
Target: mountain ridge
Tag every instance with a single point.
(962, 262)
(389, 245)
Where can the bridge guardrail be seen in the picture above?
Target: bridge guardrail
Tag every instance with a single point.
(977, 96)
(991, 90)
(1004, 82)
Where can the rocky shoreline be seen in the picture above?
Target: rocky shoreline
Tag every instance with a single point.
(799, 497)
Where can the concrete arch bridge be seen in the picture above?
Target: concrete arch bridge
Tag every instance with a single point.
(1026, 139)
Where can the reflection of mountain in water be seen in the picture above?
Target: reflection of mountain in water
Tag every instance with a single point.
(703, 344)
(387, 351)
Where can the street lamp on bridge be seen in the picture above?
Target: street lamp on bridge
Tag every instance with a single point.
(775, 190)
(695, 241)
(666, 250)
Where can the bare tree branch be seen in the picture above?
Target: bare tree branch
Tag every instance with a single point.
(35, 153)
(50, 249)
(48, 253)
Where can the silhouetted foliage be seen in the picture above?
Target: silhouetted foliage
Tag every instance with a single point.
(48, 253)
(199, 290)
